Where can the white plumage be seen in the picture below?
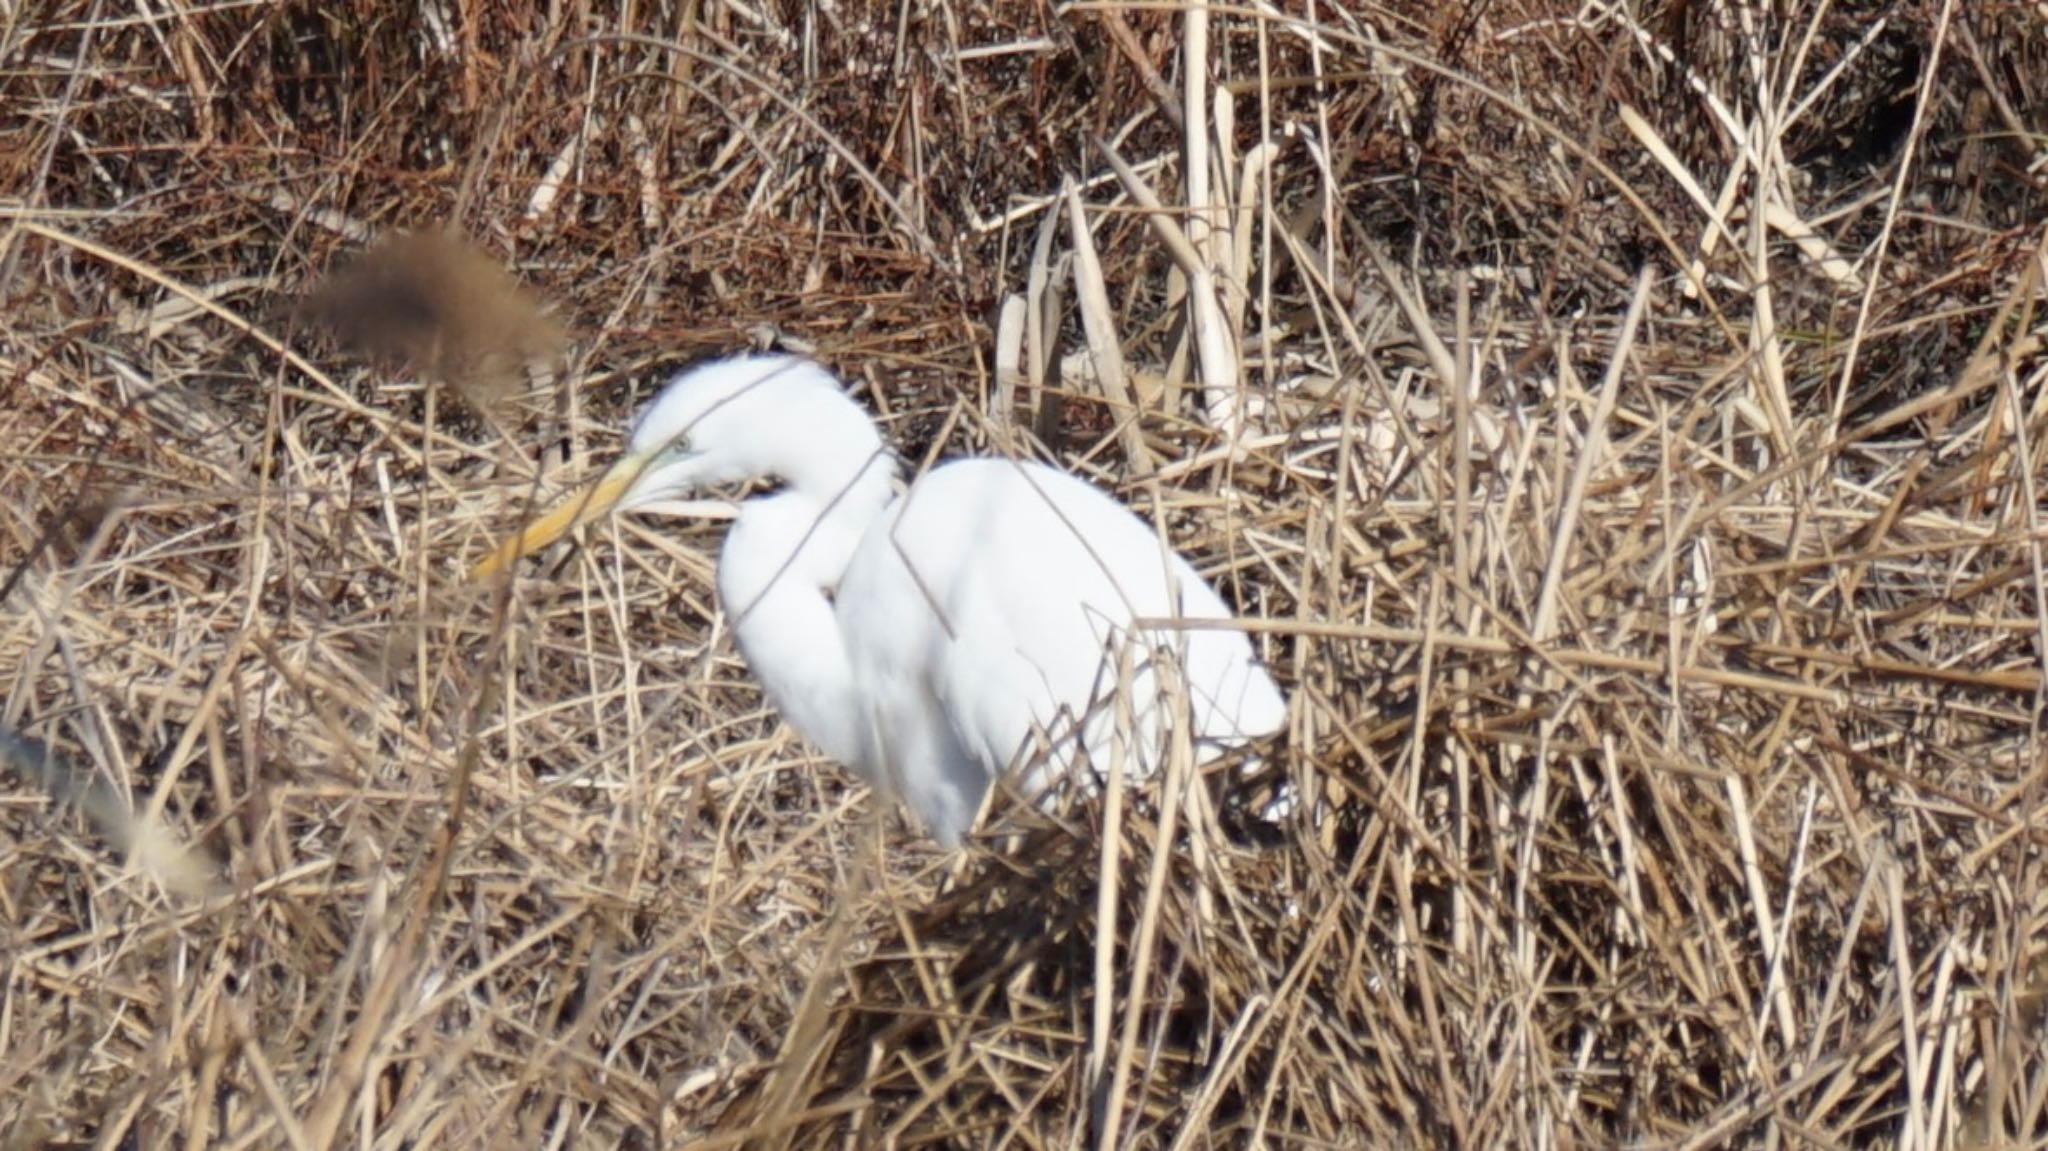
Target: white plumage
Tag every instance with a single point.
(935, 639)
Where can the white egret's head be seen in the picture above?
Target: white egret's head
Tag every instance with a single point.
(740, 419)
(726, 421)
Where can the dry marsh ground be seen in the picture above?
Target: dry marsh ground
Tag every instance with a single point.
(1624, 424)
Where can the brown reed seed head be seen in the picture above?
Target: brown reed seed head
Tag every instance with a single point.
(433, 300)
(96, 509)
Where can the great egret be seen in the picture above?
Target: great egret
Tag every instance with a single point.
(983, 619)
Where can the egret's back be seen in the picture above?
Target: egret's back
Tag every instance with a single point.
(986, 613)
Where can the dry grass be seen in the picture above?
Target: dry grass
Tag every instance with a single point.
(1667, 647)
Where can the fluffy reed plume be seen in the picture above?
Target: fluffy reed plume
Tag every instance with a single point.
(148, 844)
(432, 300)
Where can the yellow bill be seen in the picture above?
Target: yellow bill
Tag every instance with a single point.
(565, 517)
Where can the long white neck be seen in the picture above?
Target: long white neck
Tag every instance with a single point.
(781, 563)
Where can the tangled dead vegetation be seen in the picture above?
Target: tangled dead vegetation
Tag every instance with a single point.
(1624, 424)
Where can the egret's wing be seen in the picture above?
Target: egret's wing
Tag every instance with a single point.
(1009, 586)
(1077, 569)
(922, 761)
(893, 617)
